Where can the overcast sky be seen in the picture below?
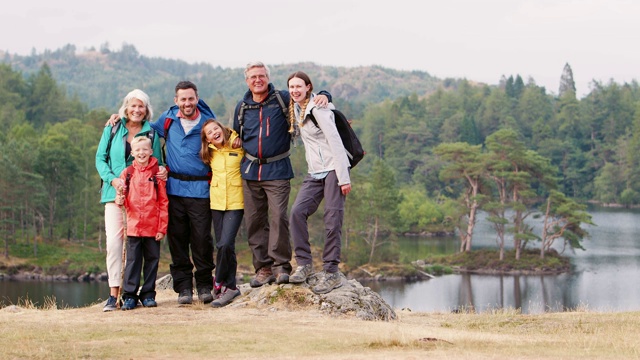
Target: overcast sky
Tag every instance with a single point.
(477, 40)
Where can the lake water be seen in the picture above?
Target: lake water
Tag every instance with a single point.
(603, 277)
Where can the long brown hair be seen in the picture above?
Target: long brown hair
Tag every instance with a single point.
(206, 154)
(292, 114)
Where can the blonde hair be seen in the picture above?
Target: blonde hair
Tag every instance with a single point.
(140, 139)
(139, 95)
(303, 107)
(206, 154)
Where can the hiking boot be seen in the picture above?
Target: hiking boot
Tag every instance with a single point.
(185, 297)
(112, 304)
(282, 278)
(226, 298)
(301, 274)
(129, 304)
(328, 282)
(263, 276)
(149, 303)
(204, 295)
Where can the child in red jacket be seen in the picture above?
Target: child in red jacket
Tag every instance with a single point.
(145, 200)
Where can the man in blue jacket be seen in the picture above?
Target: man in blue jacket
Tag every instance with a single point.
(262, 122)
(188, 190)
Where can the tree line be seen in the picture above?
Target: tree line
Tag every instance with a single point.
(512, 150)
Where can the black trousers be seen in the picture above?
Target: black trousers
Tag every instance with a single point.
(190, 231)
(225, 227)
(143, 254)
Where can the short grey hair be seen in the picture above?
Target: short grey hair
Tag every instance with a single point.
(139, 95)
(256, 64)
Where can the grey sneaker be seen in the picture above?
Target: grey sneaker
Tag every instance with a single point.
(328, 282)
(111, 304)
(301, 274)
(226, 298)
(263, 276)
(185, 297)
(204, 295)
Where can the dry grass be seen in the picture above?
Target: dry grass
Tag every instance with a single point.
(288, 329)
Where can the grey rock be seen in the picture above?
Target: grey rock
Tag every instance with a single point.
(164, 283)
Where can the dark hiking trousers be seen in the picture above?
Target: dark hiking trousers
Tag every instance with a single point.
(265, 213)
(190, 229)
(307, 202)
(225, 227)
(143, 254)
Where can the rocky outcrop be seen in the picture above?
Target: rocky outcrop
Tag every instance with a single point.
(350, 299)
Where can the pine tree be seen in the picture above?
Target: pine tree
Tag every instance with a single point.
(566, 81)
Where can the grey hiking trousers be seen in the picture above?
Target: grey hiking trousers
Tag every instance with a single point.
(306, 204)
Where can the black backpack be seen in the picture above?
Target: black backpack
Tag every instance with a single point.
(351, 143)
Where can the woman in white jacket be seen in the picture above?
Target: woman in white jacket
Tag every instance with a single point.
(327, 178)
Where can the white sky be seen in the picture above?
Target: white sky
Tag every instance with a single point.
(473, 39)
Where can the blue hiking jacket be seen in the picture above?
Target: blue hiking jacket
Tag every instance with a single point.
(183, 153)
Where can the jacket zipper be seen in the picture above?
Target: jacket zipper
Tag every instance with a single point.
(260, 145)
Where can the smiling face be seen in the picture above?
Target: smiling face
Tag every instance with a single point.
(298, 89)
(136, 111)
(214, 134)
(186, 99)
(258, 81)
(141, 150)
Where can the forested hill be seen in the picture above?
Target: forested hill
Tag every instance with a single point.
(101, 78)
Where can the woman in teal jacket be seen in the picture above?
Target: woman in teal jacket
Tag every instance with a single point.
(112, 157)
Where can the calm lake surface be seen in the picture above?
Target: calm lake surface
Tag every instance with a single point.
(604, 277)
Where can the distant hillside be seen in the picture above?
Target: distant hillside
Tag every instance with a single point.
(101, 78)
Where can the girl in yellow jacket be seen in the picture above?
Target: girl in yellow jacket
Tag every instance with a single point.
(227, 204)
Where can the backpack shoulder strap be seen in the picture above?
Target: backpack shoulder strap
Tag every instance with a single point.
(244, 106)
(151, 134)
(127, 180)
(155, 179)
(283, 106)
(114, 130)
(167, 125)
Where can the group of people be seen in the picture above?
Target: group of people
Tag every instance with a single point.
(212, 174)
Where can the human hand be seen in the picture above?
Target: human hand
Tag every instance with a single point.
(237, 143)
(346, 189)
(120, 199)
(321, 100)
(159, 236)
(118, 184)
(162, 173)
(113, 120)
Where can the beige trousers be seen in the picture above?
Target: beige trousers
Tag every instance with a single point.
(113, 226)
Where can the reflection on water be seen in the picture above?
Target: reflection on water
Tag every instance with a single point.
(603, 276)
(41, 293)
